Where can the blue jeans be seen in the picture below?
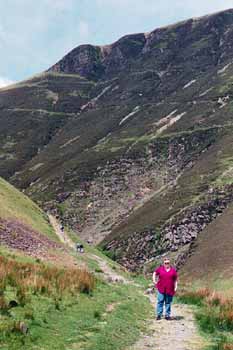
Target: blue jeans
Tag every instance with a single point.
(164, 299)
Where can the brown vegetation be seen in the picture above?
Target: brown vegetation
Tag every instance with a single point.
(27, 278)
(215, 315)
(228, 346)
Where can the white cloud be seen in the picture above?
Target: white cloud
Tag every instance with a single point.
(5, 82)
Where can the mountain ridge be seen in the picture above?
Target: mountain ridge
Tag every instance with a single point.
(84, 54)
(119, 153)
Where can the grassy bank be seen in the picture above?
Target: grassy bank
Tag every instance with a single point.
(214, 315)
(14, 205)
(42, 306)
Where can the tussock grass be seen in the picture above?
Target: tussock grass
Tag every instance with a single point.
(194, 297)
(214, 316)
(55, 316)
(223, 344)
(40, 279)
(26, 286)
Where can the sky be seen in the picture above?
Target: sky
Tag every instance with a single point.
(36, 34)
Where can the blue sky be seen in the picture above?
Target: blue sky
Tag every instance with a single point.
(35, 34)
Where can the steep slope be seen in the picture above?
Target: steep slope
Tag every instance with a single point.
(33, 112)
(15, 205)
(212, 258)
(41, 304)
(130, 143)
(25, 228)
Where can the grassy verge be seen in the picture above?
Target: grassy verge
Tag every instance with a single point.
(28, 290)
(44, 307)
(214, 315)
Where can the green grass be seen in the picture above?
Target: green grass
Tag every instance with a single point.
(80, 322)
(15, 205)
(214, 312)
(92, 263)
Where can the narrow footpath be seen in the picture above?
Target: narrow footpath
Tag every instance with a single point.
(178, 334)
(60, 233)
(109, 274)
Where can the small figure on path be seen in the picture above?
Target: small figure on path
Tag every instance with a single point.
(79, 248)
(165, 279)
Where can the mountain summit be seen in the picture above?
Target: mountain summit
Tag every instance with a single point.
(130, 143)
(104, 62)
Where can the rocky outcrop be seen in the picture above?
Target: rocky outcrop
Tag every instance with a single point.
(84, 60)
(194, 220)
(143, 247)
(123, 185)
(169, 45)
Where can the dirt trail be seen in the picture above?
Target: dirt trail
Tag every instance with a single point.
(109, 274)
(178, 334)
(61, 234)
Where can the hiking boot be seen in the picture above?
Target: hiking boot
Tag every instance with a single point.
(168, 318)
(158, 318)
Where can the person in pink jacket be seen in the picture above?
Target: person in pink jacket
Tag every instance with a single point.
(165, 280)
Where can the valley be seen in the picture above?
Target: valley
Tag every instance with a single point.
(126, 148)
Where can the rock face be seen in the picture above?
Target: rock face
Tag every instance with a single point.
(125, 142)
(178, 47)
(84, 60)
(176, 236)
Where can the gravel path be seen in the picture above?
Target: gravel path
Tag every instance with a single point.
(109, 274)
(178, 334)
(61, 234)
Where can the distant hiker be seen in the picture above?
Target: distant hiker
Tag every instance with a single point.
(165, 279)
(79, 248)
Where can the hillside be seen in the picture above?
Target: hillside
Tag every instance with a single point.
(49, 298)
(212, 252)
(130, 143)
(25, 229)
(14, 205)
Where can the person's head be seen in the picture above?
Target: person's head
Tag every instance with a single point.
(166, 262)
